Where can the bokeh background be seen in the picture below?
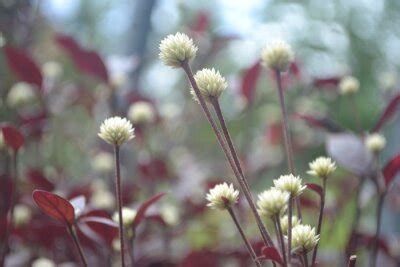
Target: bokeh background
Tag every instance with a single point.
(177, 152)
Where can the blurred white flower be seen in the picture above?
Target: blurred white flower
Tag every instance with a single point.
(375, 142)
(128, 215)
(2, 144)
(20, 93)
(277, 56)
(22, 214)
(141, 112)
(103, 199)
(322, 167)
(388, 80)
(285, 223)
(210, 82)
(103, 162)
(349, 85)
(290, 183)
(52, 69)
(272, 202)
(175, 49)
(43, 262)
(116, 131)
(222, 196)
(170, 214)
(304, 238)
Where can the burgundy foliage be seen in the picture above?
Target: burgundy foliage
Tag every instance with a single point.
(249, 81)
(391, 169)
(141, 212)
(316, 188)
(12, 136)
(270, 253)
(387, 113)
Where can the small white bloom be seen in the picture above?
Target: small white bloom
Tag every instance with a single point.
(285, 223)
(141, 112)
(221, 196)
(116, 244)
(170, 214)
(128, 215)
(116, 131)
(210, 82)
(322, 167)
(103, 199)
(52, 69)
(43, 262)
(22, 214)
(349, 85)
(290, 183)
(103, 162)
(304, 238)
(277, 56)
(20, 93)
(175, 49)
(118, 79)
(375, 142)
(272, 202)
(388, 80)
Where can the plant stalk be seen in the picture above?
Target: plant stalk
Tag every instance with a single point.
(374, 252)
(78, 246)
(280, 237)
(290, 215)
(352, 261)
(305, 259)
(119, 203)
(321, 215)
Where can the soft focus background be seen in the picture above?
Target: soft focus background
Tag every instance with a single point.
(98, 57)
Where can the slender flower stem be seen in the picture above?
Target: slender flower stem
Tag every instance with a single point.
(356, 113)
(72, 232)
(321, 215)
(243, 235)
(280, 237)
(290, 215)
(305, 259)
(119, 203)
(286, 134)
(264, 233)
(352, 261)
(374, 252)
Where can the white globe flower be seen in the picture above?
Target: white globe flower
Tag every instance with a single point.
(43, 262)
(277, 56)
(322, 167)
(128, 215)
(290, 183)
(222, 196)
(375, 142)
(52, 69)
(349, 85)
(304, 238)
(285, 223)
(22, 214)
(116, 131)
(175, 49)
(141, 112)
(210, 82)
(272, 202)
(20, 93)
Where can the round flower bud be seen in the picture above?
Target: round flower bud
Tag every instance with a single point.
(128, 215)
(116, 131)
(222, 196)
(20, 94)
(375, 142)
(22, 214)
(277, 56)
(43, 262)
(52, 69)
(304, 238)
(103, 162)
(210, 82)
(175, 49)
(285, 223)
(141, 112)
(118, 79)
(272, 202)
(290, 183)
(349, 85)
(322, 167)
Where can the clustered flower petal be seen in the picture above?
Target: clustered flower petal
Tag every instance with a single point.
(290, 183)
(116, 131)
(304, 238)
(210, 82)
(277, 56)
(20, 93)
(175, 49)
(285, 223)
(349, 85)
(222, 196)
(272, 202)
(375, 142)
(141, 112)
(322, 167)
(128, 216)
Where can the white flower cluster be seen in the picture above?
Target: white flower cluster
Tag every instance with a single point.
(128, 216)
(222, 196)
(175, 49)
(272, 202)
(322, 167)
(304, 238)
(285, 223)
(290, 183)
(20, 94)
(375, 142)
(349, 85)
(210, 82)
(141, 112)
(277, 56)
(116, 131)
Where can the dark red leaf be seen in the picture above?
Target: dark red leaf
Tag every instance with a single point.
(143, 208)
(37, 178)
(391, 169)
(23, 65)
(85, 60)
(387, 113)
(322, 123)
(55, 206)
(331, 82)
(98, 227)
(98, 219)
(201, 23)
(270, 253)
(316, 188)
(249, 81)
(12, 136)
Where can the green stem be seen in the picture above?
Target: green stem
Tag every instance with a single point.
(119, 203)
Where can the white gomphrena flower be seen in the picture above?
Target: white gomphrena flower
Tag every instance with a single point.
(170, 214)
(52, 69)
(118, 79)
(141, 112)
(128, 215)
(375, 142)
(22, 214)
(222, 196)
(116, 131)
(322, 167)
(277, 56)
(43, 262)
(285, 223)
(272, 202)
(103, 162)
(290, 183)
(304, 238)
(210, 82)
(348, 85)
(20, 93)
(175, 49)
(103, 199)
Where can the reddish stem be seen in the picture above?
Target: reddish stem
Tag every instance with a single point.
(119, 203)
(321, 215)
(77, 244)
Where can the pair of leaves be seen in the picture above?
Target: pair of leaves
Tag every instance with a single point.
(12, 136)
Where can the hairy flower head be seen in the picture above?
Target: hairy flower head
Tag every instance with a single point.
(285, 223)
(290, 183)
(349, 85)
(322, 167)
(375, 142)
(210, 82)
(116, 131)
(141, 112)
(222, 196)
(175, 49)
(304, 238)
(272, 202)
(128, 216)
(20, 93)
(43, 262)
(277, 56)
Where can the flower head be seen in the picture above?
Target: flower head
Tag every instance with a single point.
(290, 183)
(52, 69)
(221, 196)
(22, 214)
(322, 167)
(285, 223)
(277, 56)
(304, 238)
(175, 49)
(103, 162)
(20, 93)
(375, 142)
(128, 216)
(43, 262)
(272, 202)
(141, 112)
(349, 85)
(210, 82)
(116, 131)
